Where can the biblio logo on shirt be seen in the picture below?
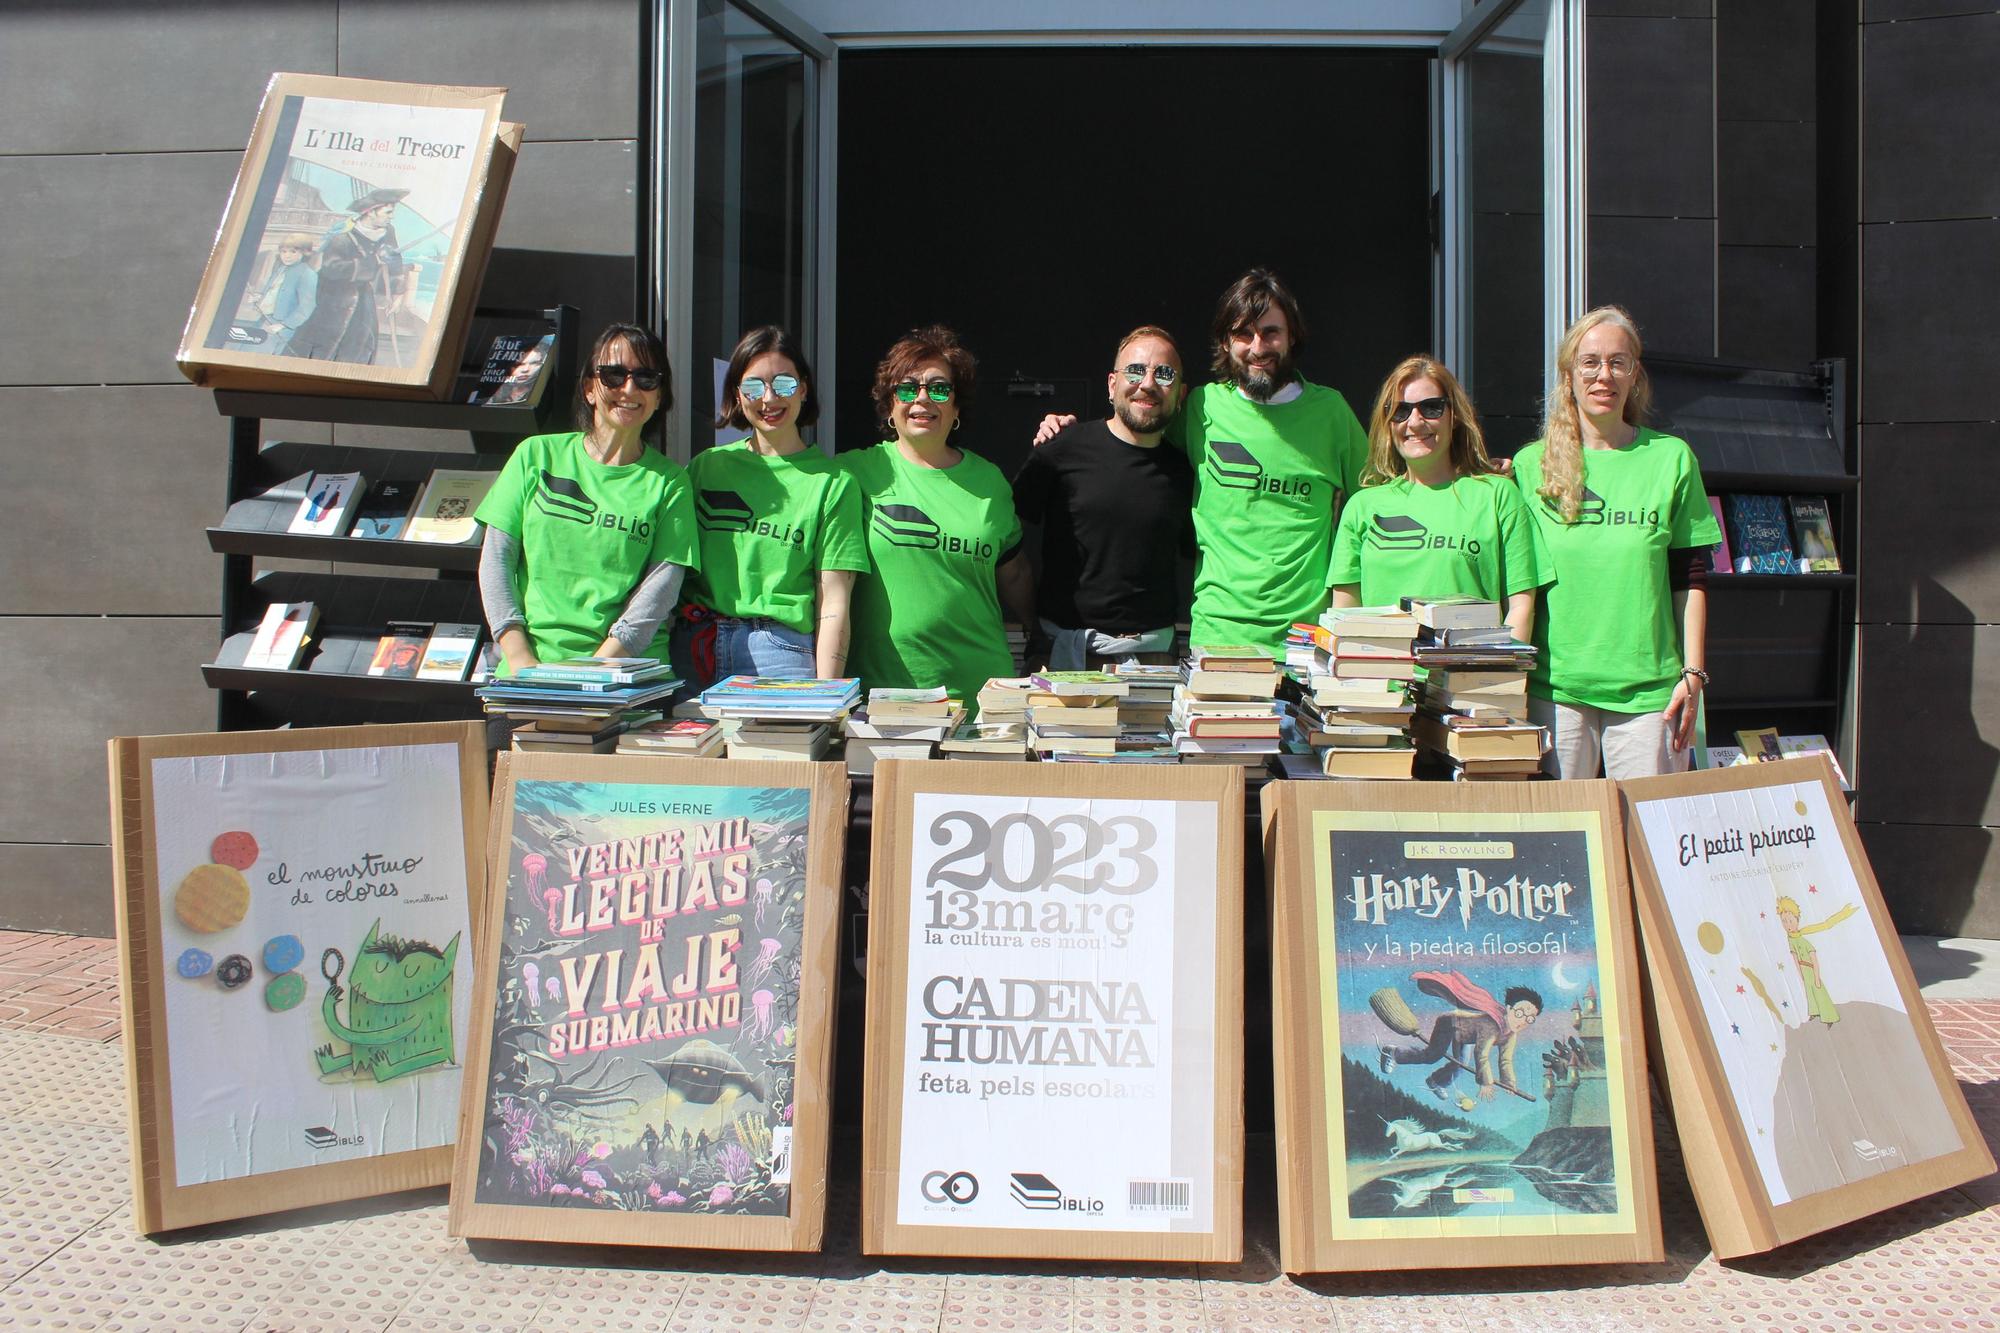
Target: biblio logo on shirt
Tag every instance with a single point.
(1236, 467)
(1596, 512)
(726, 511)
(559, 497)
(1400, 532)
(907, 525)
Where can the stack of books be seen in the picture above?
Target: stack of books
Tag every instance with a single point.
(1226, 706)
(900, 724)
(1000, 732)
(780, 719)
(1474, 715)
(1074, 714)
(580, 706)
(691, 737)
(1357, 710)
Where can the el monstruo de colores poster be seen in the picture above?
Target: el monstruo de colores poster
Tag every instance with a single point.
(648, 990)
(1475, 1082)
(1828, 1076)
(350, 226)
(1059, 1038)
(312, 929)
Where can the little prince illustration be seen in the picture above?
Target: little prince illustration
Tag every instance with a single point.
(1818, 1002)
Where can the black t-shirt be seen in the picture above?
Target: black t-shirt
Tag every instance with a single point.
(1115, 519)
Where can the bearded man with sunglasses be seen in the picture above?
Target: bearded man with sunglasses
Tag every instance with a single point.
(1114, 511)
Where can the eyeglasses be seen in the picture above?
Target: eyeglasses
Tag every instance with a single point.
(1619, 366)
(938, 391)
(783, 385)
(613, 376)
(1431, 409)
(1164, 376)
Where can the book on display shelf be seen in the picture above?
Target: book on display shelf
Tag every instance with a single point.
(449, 653)
(1720, 559)
(1759, 528)
(442, 515)
(1791, 747)
(327, 505)
(486, 663)
(515, 371)
(282, 636)
(399, 653)
(1812, 534)
(383, 510)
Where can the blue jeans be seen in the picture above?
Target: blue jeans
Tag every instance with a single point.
(755, 647)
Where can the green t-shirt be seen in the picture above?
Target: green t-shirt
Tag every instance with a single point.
(1473, 538)
(1268, 482)
(1606, 625)
(768, 526)
(929, 614)
(588, 534)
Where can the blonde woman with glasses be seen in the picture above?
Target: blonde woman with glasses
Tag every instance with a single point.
(1623, 517)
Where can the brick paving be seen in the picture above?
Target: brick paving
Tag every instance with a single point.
(69, 1257)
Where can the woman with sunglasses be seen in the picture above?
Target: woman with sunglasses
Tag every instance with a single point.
(780, 531)
(943, 538)
(1622, 514)
(589, 533)
(1433, 517)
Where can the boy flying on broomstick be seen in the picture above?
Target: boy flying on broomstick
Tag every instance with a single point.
(1476, 1025)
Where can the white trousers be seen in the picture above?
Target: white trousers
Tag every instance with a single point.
(1596, 742)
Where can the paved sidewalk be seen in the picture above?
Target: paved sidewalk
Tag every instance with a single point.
(70, 1258)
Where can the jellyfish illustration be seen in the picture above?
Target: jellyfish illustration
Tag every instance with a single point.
(762, 1020)
(553, 986)
(766, 960)
(537, 867)
(765, 892)
(531, 977)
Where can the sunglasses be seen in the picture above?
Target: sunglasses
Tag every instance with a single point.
(1432, 409)
(613, 376)
(784, 386)
(938, 391)
(1164, 376)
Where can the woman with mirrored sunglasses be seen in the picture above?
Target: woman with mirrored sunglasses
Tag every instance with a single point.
(1433, 517)
(944, 542)
(780, 530)
(589, 533)
(1624, 517)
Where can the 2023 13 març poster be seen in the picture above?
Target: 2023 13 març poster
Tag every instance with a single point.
(293, 914)
(1461, 1075)
(652, 1045)
(1807, 1080)
(1054, 1013)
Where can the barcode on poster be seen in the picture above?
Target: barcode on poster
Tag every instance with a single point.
(1159, 1196)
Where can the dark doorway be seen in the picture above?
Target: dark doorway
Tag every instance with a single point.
(1042, 202)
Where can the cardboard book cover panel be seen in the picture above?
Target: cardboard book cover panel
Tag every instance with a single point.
(305, 987)
(646, 1023)
(1059, 1016)
(347, 229)
(1825, 1070)
(1474, 1048)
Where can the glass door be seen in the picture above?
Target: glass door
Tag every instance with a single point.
(742, 215)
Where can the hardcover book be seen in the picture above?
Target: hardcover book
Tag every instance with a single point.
(1812, 535)
(1758, 528)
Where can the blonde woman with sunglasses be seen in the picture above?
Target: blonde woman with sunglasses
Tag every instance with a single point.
(944, 541)
(1622, 513)
(780, 531)
(590, 533)
(1433, 518)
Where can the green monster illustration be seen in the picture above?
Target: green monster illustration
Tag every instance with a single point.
(399, 1016)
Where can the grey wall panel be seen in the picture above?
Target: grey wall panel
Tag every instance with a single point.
(168, 76)
(1764, 60)
(1933, 548)
(1894, 11)
(571, 70)
(1663, 271)
(108, 492)
(54, 886)
(131, 676)
(1650, 99)
(1930, 877)
(1691, 9)
(1766, 182)
(1767, 299)
(1921, 756)
(106, 252)
(1928, 291)
(1930, 120)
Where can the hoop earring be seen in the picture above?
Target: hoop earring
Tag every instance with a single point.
(957, 422)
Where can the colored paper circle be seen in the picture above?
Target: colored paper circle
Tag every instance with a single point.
(282, 953)
(284, 992)
(1709, 935)
(232, 971)
(234, 848)
(1799, 806)
(211, 898)
(194, 963)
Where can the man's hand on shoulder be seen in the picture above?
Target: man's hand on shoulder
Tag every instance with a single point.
(1053, 425)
